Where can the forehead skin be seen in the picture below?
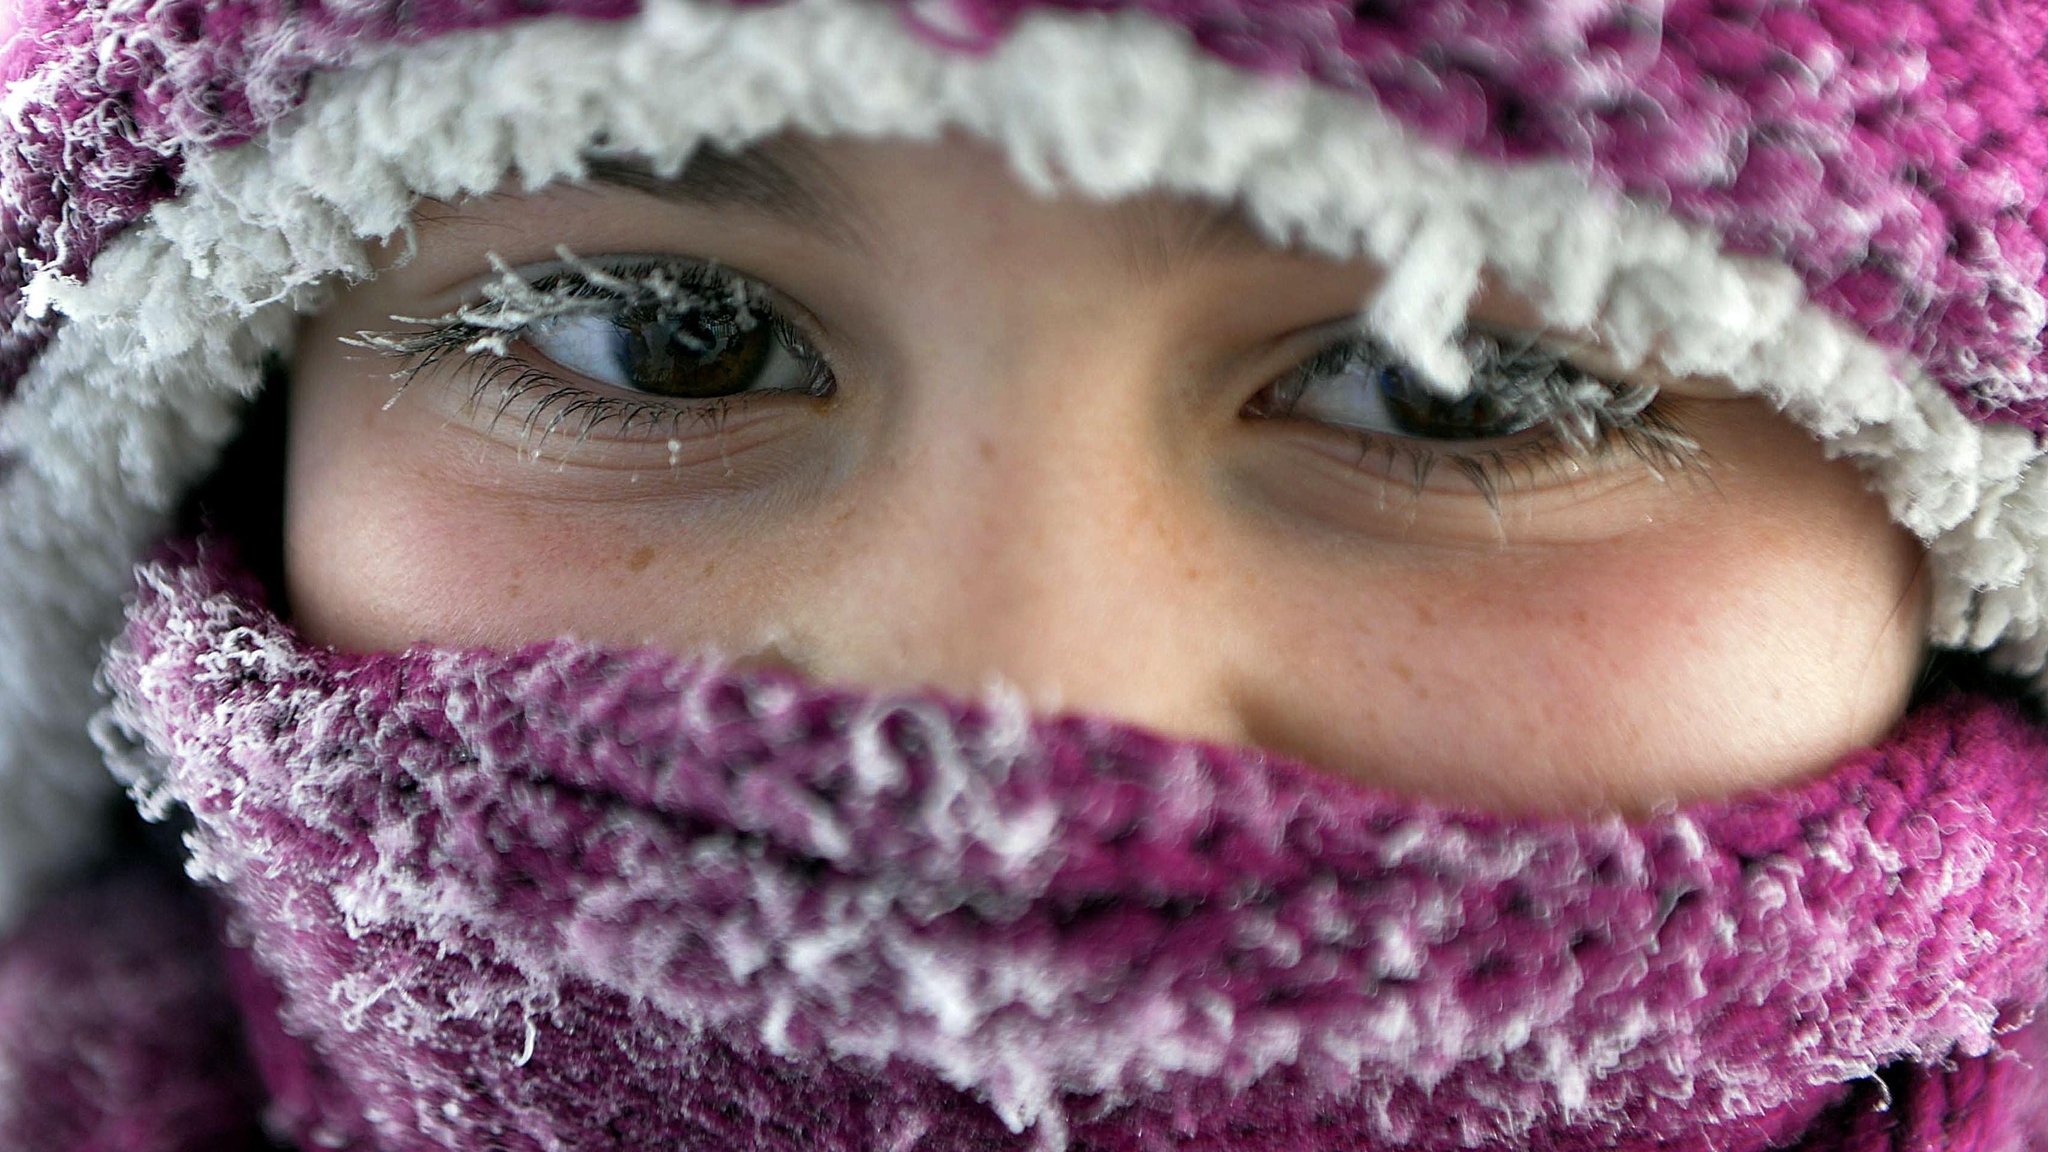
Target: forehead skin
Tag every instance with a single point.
(1038, 469)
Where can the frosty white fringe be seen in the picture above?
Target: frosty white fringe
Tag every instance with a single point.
(131, 403)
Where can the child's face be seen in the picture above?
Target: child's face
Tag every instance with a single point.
(1075, 448)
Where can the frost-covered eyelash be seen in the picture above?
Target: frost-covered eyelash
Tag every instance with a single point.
(511, 305)
(1583, 419)
(1586, 419)
(1545, 386)
(1654, 439)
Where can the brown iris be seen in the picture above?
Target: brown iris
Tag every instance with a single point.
(701, 354)
(1420, 412)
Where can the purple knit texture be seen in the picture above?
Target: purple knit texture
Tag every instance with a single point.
(1894, 152)
(122, 91)
(183, 1084)
(618, 899)
(117, 1033)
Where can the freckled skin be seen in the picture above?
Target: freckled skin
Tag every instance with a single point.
(1037, 468)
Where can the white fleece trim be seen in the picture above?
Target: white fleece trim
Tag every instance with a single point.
(131, 403)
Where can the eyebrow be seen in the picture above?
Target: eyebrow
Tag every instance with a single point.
(1156, 239)
(787, 182)
(781, 181)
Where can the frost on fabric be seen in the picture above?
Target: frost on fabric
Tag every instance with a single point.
(573, 893)
(1387, 150)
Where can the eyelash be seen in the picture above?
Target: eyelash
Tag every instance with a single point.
(506, 380)
(1655, 440)
(483, 333)
(1621, 421)
(1599, 431)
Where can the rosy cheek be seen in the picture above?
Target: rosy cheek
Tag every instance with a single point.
(1702, 657)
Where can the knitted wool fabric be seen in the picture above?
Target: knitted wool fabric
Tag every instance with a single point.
(116, 1030)
(577, 898)
(1835, 204)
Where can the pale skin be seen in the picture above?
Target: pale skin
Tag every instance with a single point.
(1044, 462)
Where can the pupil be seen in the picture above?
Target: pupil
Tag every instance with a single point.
(698, 355)
(1419, 411)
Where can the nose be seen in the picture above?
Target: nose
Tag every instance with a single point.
(1037, 530)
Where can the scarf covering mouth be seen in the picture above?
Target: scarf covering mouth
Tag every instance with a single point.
(571, 897)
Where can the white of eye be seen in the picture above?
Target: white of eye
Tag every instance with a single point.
(1354, 396)
(589, 344)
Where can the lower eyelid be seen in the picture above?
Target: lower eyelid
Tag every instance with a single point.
(533, 399)
(1503, 467)
(1486, 468)
(703, 443)
(635, 418)
(551, 409)
(510, 400)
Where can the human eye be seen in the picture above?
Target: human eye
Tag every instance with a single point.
(1531, 416)
(630, 349)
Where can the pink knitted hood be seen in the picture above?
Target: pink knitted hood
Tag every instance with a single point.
(576, 898)
(1836, 205)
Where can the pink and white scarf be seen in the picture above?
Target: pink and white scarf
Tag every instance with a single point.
(569, 897)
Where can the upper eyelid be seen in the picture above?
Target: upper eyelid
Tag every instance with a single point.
(471, 291)
(1327, 336)
(1588, 355)
(1582, 352)
(1324, 335)
(1591, 357)
(466, 310)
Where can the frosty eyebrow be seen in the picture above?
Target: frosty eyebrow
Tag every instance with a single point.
(778, 181)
